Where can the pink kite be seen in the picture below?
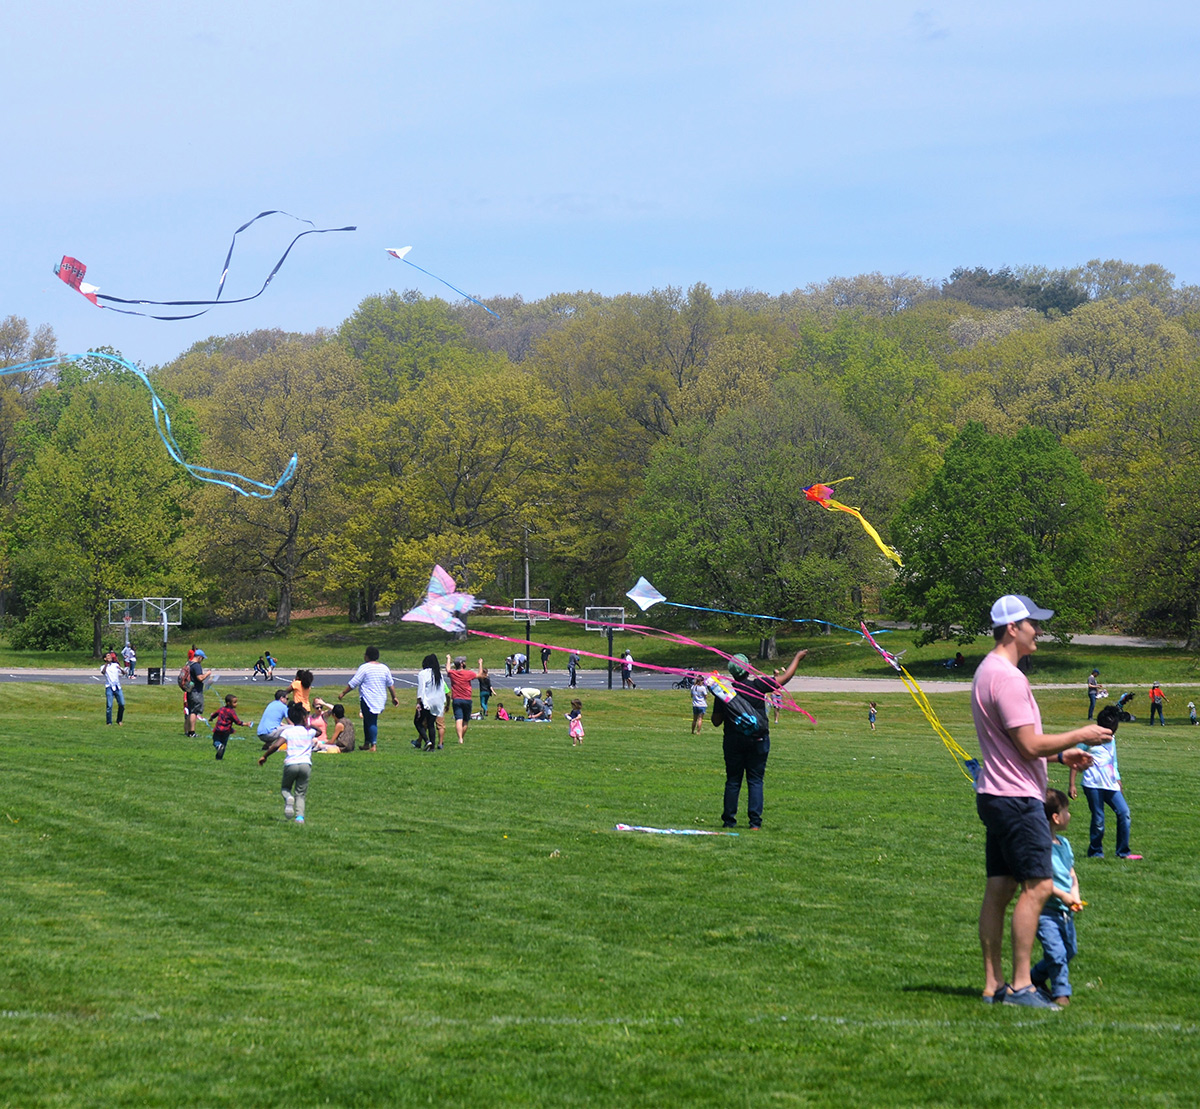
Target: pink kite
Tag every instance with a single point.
(442, 602)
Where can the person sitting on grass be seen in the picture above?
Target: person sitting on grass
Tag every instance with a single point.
(341, 742)
(501, 711)
(226, 718)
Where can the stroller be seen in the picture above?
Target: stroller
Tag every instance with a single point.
(1123, 714)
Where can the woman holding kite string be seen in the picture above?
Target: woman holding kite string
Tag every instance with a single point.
(747, 737)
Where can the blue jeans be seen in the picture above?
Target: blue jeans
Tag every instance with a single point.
(1091, 702)
(1056, 932)
(1156, 708)
(485, 695)
(749, 758)
(370, 725)
(110, 695)
(1115, 800)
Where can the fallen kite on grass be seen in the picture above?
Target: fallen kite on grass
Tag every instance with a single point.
(670, 831)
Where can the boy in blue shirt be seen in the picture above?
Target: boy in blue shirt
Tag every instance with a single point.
(1056, 925)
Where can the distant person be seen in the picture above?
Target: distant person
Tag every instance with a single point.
(297, 738)
(1094, 686)
(572, 667)
(545, 659)
(501, 711)
(1056, 923)
(130, 656)
(1102, 786)
(1192, 713)
(271, 664)
(260, 670)
(575, 723)
(485, 691)
(111, 673)
(1010, 797)
(375, 685)
(871, 714)
(460, 692)
(195, 695)
(509, 662)
(274, 718)
(627, 670)
(699, 704)
(521, 663)
(431, 702)
(225, 719)
(1157, 699)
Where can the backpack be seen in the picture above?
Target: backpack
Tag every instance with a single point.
(743, 715)
(185, 677)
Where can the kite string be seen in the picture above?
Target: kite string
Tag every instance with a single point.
(449, 286)
(162, 424)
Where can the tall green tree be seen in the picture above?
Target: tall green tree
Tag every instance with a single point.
(100, 505)
(1002, 515)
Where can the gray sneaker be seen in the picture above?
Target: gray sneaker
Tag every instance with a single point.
(996, 998)
(1030, 997)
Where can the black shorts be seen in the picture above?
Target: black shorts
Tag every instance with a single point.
(1018, 837)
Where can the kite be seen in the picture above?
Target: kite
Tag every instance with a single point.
(646, 596)
(442, 603)
(669, 831)
(823, 495)
(402, 254)
(969, 766)
(239, 483)
(72, 272)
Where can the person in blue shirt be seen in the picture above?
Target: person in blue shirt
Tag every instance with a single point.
(1056, 924)
(274, 719)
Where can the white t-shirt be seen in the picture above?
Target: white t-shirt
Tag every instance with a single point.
(430, 693)
(112, 675)
(299, 740)
(373, 680)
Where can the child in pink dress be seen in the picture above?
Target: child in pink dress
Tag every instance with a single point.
(575, 723)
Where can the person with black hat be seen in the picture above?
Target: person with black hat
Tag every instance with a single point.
(1010, 795)
(747, 743)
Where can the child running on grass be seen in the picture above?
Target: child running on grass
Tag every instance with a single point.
(1056, 925)
(226, 719)
(575, 723)
(297, 742)
(871, 715)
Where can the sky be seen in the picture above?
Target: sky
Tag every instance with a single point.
(535, 147)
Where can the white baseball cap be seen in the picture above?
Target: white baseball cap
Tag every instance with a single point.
(1012, 608)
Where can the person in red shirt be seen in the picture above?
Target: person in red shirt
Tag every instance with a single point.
(460, 691)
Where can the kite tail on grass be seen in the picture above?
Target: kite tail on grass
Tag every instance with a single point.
(239, 483)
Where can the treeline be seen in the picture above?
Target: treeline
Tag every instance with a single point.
(1014, 430)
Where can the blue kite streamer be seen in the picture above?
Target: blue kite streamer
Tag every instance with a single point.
(400, 253)
(72, 271)
(162, 423)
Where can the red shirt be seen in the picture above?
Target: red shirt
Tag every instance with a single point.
(460, 683)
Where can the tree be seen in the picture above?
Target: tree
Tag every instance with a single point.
(723, 520)
(300, 399)
(1002, 515)
(100, 506)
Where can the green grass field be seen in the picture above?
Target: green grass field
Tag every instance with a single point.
(466, 928)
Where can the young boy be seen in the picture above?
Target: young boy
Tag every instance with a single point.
(699, 704)
(1056, 926)
(226, 718)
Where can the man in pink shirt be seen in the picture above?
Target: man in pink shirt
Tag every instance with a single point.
(1010, 797)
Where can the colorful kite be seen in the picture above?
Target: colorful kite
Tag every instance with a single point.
(72, 272)
(823, 495)
(239, 483)
(402, 254)
(969, 766)
(442, 603)
(645, 596)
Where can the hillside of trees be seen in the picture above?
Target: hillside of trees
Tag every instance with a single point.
(1018, 430)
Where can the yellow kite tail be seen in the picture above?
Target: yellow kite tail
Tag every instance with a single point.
(889, 551)
(961, 758)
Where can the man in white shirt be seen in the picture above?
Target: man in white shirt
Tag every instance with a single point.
(375, 684)
(111, 672)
